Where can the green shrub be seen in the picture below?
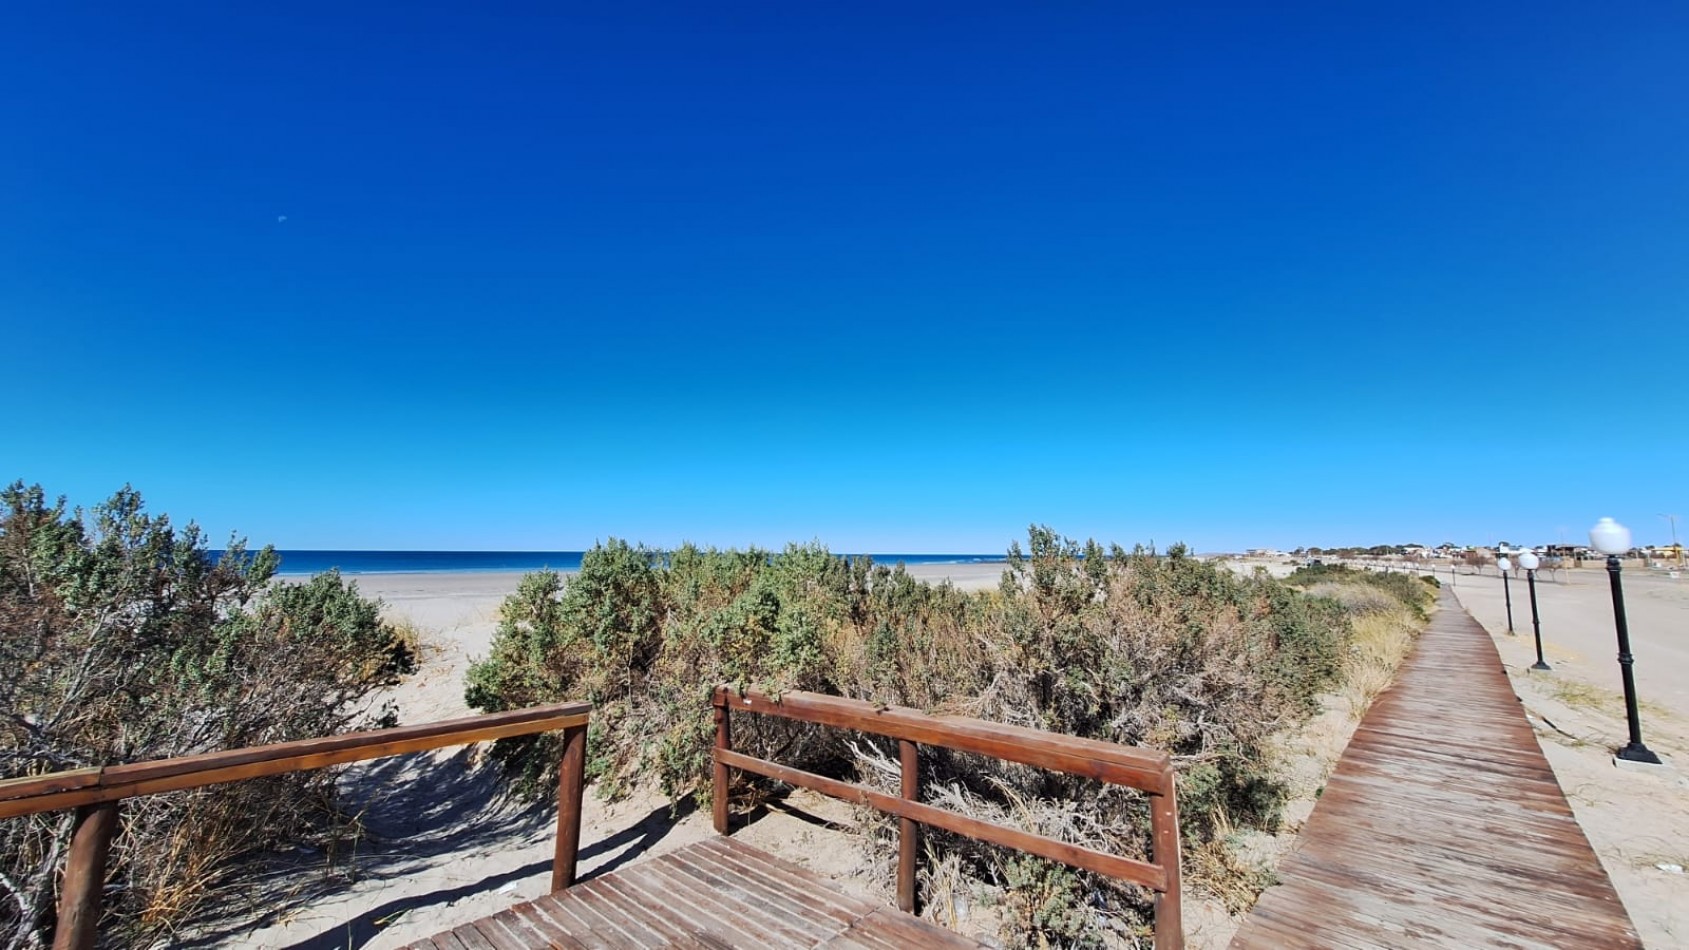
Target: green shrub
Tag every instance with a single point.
(1417, 594)
(122, 640)
(1130, 647)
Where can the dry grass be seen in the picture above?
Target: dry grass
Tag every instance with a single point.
(1382, 640)
(414, 639)
(1578, 694)
(1222, 868)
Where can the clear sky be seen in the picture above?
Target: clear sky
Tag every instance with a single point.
(898, 277)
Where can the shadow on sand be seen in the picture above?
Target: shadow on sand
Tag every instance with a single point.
(417, 812)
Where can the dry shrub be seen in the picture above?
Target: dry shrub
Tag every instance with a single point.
(124, 640)
(1358, 600)
(1130, 647)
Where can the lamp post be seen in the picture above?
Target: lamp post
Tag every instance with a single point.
(1613, 539)
(1504, 565)
(1529, 561)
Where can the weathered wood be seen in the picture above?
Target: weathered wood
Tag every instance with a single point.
(709, 895)
(168, 775)
(1164, 848)
(719, 777)
(1442, 825)
(471, 937)
(908, 831)
(1089, 859)
(96, 792)
(51, 782)
(571, 781)
(1140, 768)
(85, 877)
(1134, 766)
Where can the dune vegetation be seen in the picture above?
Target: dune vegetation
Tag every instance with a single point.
(124, 639)
(1135, 647)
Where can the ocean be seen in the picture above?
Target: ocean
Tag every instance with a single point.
(304, 563)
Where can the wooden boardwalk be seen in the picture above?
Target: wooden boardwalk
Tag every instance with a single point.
(713, 894)
(1443, 825)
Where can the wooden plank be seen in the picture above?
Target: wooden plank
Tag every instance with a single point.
(817, 895)
(727, 918)
(1089, 859)
(471, 937)
(712, 926)
(168, 775)
(671, 931)
(546, 927)
(707, 896)
(1442, 825)
(445, 941)
(501, 936)
(523, 934)
(32, 785)
(1134, 766)
(767, 889)
(753, 906)
(903, 930)
(609, 921)
(566, 915)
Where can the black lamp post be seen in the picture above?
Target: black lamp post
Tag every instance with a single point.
(1613, 539)
(1529, 562)
(1504, 565)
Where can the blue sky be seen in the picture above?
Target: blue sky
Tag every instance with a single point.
(896, 277)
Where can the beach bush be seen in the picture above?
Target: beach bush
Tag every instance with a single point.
(1416, 592)
(123, 639)
(1135, 647)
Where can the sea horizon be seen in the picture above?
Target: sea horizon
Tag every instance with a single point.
(309, 562)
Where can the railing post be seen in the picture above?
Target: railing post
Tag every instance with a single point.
(718, 786)
(571, 782)
(85, 877)
(908, 830)
(1164, 829)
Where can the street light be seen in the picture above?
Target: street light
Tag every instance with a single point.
(1613, 539)
(1529, 562)
(1504, 565)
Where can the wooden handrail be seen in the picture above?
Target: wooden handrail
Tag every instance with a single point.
(95, 792)
(1135, 767)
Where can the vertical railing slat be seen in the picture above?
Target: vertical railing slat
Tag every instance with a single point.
(1164, 829)
(908, 830)
(571, 781)
(718, 785)
(85, 877)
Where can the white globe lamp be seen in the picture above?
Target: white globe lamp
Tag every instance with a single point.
(1610, 538)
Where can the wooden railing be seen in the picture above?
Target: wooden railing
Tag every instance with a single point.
(1134, 767)
(96, 792)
